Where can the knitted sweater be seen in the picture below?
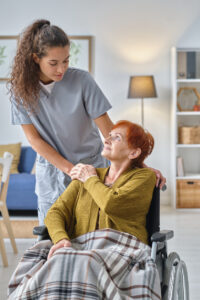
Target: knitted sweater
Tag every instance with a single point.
(122, 207)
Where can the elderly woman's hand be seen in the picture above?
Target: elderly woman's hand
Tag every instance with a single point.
(60, 244)
(82, 172)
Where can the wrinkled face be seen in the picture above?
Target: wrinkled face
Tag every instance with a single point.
(116, 145)
(54, 65)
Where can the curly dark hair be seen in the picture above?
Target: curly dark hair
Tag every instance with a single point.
(24, 84)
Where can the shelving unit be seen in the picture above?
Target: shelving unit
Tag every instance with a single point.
(188, 113)
(187, 145)
(188, 80)
(190, 153)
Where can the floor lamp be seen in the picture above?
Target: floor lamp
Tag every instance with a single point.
(142, 87)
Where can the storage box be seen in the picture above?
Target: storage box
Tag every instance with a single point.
(189, 135)
(188, 193)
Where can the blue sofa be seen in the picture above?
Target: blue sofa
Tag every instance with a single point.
(21, 189)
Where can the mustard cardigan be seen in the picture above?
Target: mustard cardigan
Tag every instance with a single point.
(122, 207)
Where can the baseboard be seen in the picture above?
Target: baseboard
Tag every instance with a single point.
(165, 200)
(22, 228)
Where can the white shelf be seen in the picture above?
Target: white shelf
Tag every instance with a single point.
(188, 145)
(190, 153)
(188, 80)
(189, 177)
(188, 113)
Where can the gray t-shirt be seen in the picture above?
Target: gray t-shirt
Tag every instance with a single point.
(64, 117)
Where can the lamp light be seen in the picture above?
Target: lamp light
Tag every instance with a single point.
(142, 87)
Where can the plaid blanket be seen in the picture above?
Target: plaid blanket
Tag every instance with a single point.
(104, 264)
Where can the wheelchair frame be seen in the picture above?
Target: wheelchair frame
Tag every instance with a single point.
(172, 270)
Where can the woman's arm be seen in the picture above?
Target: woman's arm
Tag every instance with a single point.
(45, 150)
(125, 199)
(117, 201)
(61, 216)
(104, 124)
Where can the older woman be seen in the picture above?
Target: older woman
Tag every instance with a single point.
(98, 229)
(117, 197)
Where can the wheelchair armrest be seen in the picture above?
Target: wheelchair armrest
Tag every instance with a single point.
(162, 236)
(42, 232)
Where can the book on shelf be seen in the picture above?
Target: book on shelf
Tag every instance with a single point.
(182, 65)
(180, 167)
(191, 64)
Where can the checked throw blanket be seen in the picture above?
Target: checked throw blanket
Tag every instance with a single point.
(104, 264)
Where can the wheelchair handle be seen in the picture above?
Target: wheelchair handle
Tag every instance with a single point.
(164, 187)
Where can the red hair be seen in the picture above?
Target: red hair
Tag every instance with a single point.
(137, 137)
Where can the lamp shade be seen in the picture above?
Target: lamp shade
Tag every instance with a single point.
(142, 87)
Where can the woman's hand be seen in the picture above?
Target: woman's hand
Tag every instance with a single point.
(82, 172)
(60, 244)
(160, 179)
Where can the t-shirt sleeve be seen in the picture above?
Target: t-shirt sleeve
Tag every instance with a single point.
(95, 101)
(19, 115)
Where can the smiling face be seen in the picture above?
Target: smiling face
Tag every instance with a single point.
(54, 64)
(116, 147)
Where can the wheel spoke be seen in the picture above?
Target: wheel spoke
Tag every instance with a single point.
(175, 279)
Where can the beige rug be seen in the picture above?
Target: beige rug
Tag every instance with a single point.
(21, 228)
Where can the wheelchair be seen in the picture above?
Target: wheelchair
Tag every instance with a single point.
(172, 270)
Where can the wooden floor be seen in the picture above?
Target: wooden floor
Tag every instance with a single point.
(22, 228)
(186, 242)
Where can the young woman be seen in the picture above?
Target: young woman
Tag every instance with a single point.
(117, 197)
(59, 108)
(56, 107)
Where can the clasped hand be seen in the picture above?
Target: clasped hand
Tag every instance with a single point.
(82, 172)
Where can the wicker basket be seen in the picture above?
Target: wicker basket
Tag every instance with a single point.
(189, 135)
(188, 193)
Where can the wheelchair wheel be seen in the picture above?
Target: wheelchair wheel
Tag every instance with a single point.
(176, 285)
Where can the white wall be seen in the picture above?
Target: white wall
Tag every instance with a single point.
(131, 37)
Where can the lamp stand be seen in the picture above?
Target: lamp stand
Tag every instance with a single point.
(142, 111)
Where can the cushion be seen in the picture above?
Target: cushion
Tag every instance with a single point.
(27, 159)
(21, 192)
(15, 149)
